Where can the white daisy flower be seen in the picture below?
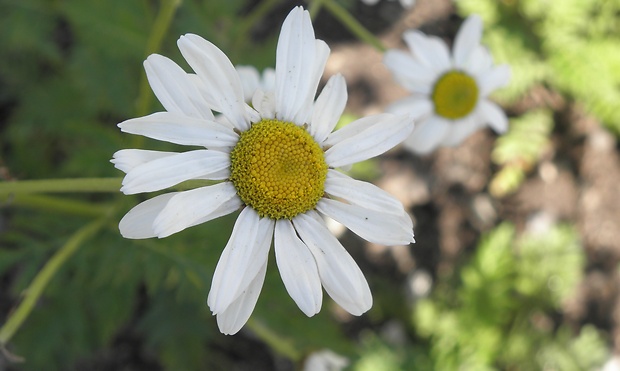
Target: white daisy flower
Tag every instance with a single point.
(449, 91)
(276, 163)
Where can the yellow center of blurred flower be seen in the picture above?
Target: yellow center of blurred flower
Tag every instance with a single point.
(278, 169)
(455, 95)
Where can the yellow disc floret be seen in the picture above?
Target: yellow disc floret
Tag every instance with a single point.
(455, 95)
(278, 169)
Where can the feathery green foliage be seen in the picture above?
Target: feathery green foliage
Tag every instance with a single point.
(499, 317)
(519, 150)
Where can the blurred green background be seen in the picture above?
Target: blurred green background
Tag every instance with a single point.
(70, 70)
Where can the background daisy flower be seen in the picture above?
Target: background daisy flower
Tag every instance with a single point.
(252, 80)
(449, 90)
(404, 3)
(275, 161)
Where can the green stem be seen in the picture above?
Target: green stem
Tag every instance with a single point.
(250, 21)
(34, 291)
(275, 342)
(91, 185)
(156, 37)
(314, 8)
(353, 25)
(57, 204)
(60, 185)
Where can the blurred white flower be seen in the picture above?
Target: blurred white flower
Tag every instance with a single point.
(613, 364)
(252, 80)
(275, 161)
(404, 3)
(325, 360)
(449, 90)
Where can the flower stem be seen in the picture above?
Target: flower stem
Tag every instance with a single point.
(352, 24)
(91, 185)
(275, 342)
(314, 8)
(57, 204)
(156, 37)
(34, 291)
(60, 185)
(248, 23)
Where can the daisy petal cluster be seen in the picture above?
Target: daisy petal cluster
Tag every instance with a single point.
(275, 160)
(449, 90)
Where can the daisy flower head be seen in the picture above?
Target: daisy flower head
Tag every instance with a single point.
(449, 90)
(275, 161)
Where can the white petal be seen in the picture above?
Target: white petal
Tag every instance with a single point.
(196, 206)
(322, 53)
(264, 103)
(217, 175)
(341, 277)
(300, 60)
(372, 225)
(205, 95)
(439, 53)
(174, 88)
(353, 129)
(479, 61)
(297, 269)
(385, 133)
(498, 77)
(232, 319)
(138, 222)
(461, 129)
(328, 108)
(228, 207)
(250, 81)
(411, 74)
(173, 128)
(268, 80)
(427, 135)
(294, 63)
(416, 107)
(241, 260)
(467, 39)
(398, 61)
(494, 115)
(168, 171)
(127, 159)
(415, 40)
(220, 77)
(252, 114)
(430, 51)
(361, 193)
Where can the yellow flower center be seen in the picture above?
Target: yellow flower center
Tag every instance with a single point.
(455, 95)
(278, 169)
